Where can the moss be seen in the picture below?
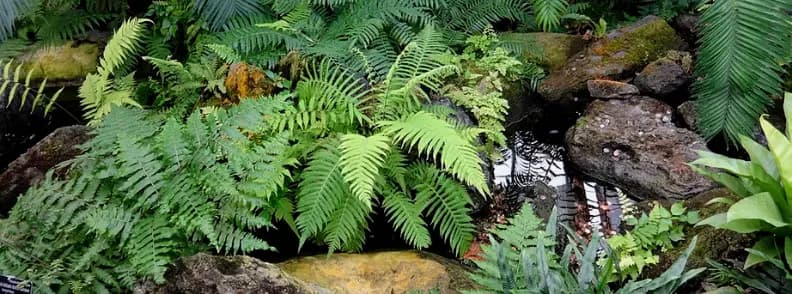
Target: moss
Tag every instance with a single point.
(61, 63)
(640, 44)
(551, 50)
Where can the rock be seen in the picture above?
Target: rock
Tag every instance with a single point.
(618, 54)
(550, 50)
(203, 273)
(666, 75)
(689, 114)
(716, 244)
(686, 26)
(383, 272)
(30, 168)
(606, 89)
(69, 61)
(632, 144)
(244, 81)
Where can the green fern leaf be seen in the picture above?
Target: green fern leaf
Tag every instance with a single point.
(406, 218)
(361, 159)
(549, 13)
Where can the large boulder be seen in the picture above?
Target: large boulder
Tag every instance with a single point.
(65, 62)
(667, 75)
(382, 272)
(633, 144)
(617, 55)
(203, 273)
(30, 168)
(550, 50)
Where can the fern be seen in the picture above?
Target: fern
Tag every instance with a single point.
(361, 159)
(406, 215)
(738, 77)
(217, 13)
(549, 13)
(147, 191)
(99, 92)
(9, 11)
(15, 89)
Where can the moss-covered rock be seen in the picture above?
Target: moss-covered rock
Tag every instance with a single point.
(551, 50)
(620, 53)
(69, 61)
(712, 243)
(382, 272)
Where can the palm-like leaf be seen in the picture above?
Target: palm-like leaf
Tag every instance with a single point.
(739, 77)
(549, 12)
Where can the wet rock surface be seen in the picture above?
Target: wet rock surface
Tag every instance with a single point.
(69, 61)
(550, 50)
(633, 144)
(209, 274)
(607, 89)
(382, 272)
(30, 168)
(666, 75)
(618, 54)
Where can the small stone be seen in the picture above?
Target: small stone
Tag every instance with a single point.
(602, 126)
(606, 150)
(606, 89)
(658, 115)
(666, 119)
(617, 152)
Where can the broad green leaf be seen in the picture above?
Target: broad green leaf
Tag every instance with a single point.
(717, 221)
(788, 250)
(762, 251)
(760, 156)
(782, 150)
(678, 208)
(757, 207)
(788, 113)
(714, 160)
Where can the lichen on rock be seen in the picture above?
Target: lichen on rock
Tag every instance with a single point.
(69, 61)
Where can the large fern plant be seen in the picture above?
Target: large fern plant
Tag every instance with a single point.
(378, 147)
(148, 190)
(738, 77)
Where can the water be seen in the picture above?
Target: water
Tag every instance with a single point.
(530, 162)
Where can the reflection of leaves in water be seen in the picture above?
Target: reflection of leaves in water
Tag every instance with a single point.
(530, 161)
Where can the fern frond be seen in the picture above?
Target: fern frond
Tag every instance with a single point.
(361, 159)
(124, 44)
(405, 215)
(24, 93)
(322, 185)
(435, 137)
(217, 13)
(739, 77)
(549, 12)
(150, 247)
(447, 202)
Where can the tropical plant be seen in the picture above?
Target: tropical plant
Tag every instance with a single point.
(100, 92)
(9, 12)
(366, 142)
(549, 13)
(148, 190)
(14, 89)
(658, 231)
(765, 185)
(738, 78)
(182, 87)
(486, 69)
(521, 259)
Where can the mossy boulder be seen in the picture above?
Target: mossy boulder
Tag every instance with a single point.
(69, 61)
(712, 243)
(381, 272)
(617, 55)
(550, 50)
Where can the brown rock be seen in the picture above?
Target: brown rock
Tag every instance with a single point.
(633, 144)
(30, 168)
(689, 114)
(383, 272)
(607, 89)
(209, 274)
(247, 81)
(618, 54)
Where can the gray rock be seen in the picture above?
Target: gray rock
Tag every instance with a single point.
(648, 154)
(689, 114)
(203, 273)
(607, 89)
(27, 170)
(617, 55)
(550, 50)
(664, 76)
(686, 26)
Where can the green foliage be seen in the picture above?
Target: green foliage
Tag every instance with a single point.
(14, 89)
(362, 135)
(57, 20)
(549, 13)
(765, 185)
(9, 12)
(183, 86)
(659, 230)
(100, 92)
(667, 9)
(148, 190)
(522, 260)
(486, 68)
(739, 78)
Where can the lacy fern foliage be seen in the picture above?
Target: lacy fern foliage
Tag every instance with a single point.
(147, 191)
